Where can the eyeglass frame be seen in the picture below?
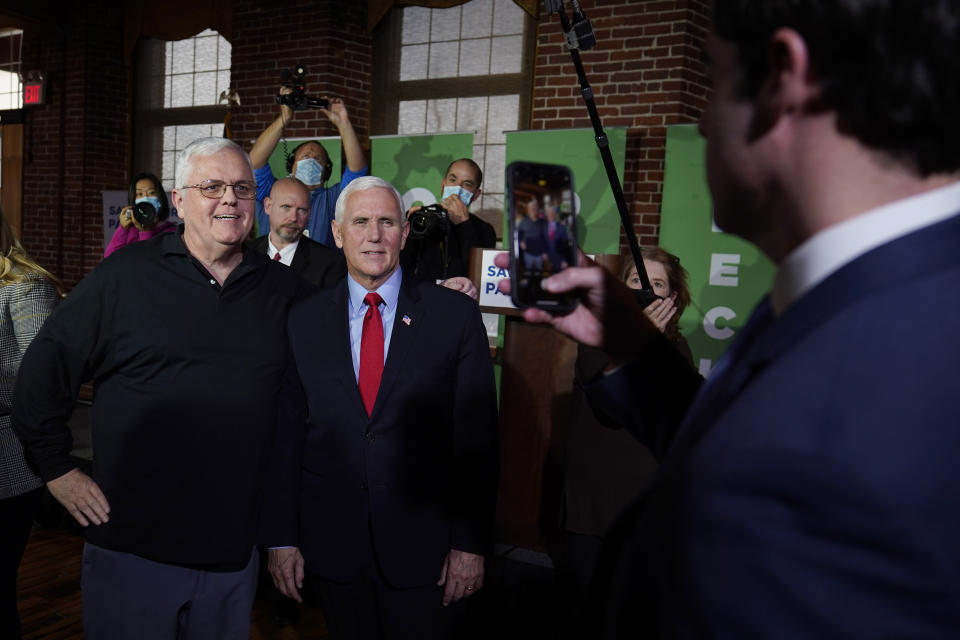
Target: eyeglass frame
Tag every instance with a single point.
(223, 185)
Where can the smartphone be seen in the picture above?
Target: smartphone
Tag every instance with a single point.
(543, 232)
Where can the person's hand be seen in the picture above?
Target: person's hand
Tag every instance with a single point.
(461, 575)
(607, 317)
(286, 569)
(336, 112)
(463, 285)
(286, 112)
(126, 217)
(81, 497)
(457, 211)
(660, 311)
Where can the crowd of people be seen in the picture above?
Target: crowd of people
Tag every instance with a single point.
(805, 489)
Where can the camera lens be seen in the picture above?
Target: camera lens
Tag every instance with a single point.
(145, 213)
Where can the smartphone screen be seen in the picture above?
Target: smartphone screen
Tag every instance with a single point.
(543, 238)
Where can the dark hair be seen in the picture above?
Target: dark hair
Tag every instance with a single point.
(887, 67)
(473, 164)
(164, 211)
(676, 277)
(327, 166)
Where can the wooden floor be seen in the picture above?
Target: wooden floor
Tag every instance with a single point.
(49, 595)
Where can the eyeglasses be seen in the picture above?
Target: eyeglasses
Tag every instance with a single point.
(244, 190)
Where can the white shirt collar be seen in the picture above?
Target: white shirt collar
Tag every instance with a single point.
(827, 251)
(286, 254)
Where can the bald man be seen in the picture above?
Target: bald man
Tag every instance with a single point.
(288, 209)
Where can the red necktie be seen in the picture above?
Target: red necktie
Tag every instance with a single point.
(371, 351)
(277, 257)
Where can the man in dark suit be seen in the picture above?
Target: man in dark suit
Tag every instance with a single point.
(288, 209)
(386, 462)
(809, 488)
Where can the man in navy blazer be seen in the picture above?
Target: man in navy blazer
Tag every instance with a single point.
(808, 489)
(388, 499)
(288, 210)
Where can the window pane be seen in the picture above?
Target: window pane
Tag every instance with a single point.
(223, 53)
(206, 54)
(168, 55)
(182, 91)
(445, 24)
(493, 168)
(475, 57)
(416, 25)
(413, 62)
(472, 116)
(413, 115)
(507, 54)
(477, 19)
(205, 88)
(507, 18)
(183, 56)
(504, 116)
(443, 59)
(441, 115)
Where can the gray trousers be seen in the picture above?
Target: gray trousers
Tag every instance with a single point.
(126, 596)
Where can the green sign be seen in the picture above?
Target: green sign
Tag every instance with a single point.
(727, 275)
(415, 164)
(598, 230)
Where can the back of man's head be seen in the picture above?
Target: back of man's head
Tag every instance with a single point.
(886, 67)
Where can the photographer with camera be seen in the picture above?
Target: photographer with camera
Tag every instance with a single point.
(309, 161)
(442, 235)
(145, 217)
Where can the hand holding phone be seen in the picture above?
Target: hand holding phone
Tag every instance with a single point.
(543, 239)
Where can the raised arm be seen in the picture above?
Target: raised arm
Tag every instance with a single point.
(337, 114)
(267, 141)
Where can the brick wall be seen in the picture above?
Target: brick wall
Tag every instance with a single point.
(327, 36)
(645, 73)
(77, 144)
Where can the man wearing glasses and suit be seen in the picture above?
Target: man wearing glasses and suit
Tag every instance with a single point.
(185, 408)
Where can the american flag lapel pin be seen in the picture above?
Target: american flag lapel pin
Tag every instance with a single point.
(406, 319)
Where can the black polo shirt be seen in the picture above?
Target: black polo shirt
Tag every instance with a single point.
(186, 374)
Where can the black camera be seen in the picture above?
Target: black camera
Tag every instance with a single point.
(145, 214)
(426, 220)
(298, 100)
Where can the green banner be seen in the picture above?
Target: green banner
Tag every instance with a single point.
(599, 228)
(415, 164)
(331, 144)
(727, 274)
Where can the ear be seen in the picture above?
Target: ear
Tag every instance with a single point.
(335, 230)
(791, 87)
(476, 194)
(267, 205)
(406, 232)
(177, 198)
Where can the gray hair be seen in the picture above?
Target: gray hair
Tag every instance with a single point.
(204, 147)
(362, 184)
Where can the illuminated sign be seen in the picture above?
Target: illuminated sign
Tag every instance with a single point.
(33, 93)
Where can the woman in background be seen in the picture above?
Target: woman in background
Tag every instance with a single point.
(144, 188)
(28, 293)
(606, 470)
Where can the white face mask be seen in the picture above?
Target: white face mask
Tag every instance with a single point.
(465, 196)
(309, 172)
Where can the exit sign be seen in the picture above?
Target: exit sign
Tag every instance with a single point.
(33, 93)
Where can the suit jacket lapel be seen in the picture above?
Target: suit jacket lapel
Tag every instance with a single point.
(335, 318)
(406, 324)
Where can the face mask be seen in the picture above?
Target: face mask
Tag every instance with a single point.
(154, 200)
(309, 172)
(465, 196)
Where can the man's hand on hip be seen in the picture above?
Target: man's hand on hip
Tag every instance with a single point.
(81, 497)
(462, 575)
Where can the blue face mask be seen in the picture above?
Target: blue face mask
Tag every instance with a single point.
(465, 196)
(309, 172)
(154, 200)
